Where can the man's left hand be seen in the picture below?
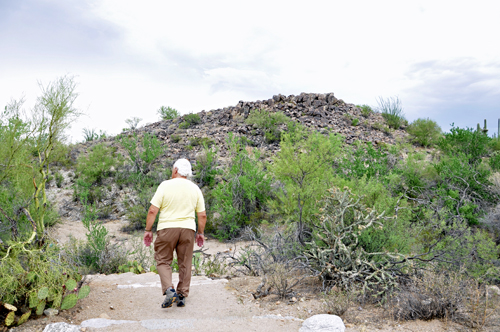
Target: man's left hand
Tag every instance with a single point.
(200, 239)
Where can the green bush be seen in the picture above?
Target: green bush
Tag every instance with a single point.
(168, 112)
(196, 141)
(190, 119)
(205, 167)
(355, 122)
(468, 142)
(365, 110)
(243, 193)
(269, 122)
(424, 132)
(303, 166)
(392, 111)
(91, 169)
(364, 160)
(31, 272)
(144, 154)
(175, 138)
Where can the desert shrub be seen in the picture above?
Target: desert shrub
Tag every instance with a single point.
(91, 134)
(35, 279)
(196, 141)
(205, 168)
(438, 294)
(365, 161)
(190, 119)
(424, 132)
(365, 110)
(59, 180)
(277, 257)
(132, 123)
(337, 301)
(302, 166)
(269, 122)
(144, 154)
(97, 164)
(335, 254)
(494, 161)
(243, 140)
(468, 142)
(392, 111)
(463, 187)
(243, 192)
(494, 144)
(91, 169)
(398, 232)
(97, 254)
(215, 266)
(175, 138)
(168, 112)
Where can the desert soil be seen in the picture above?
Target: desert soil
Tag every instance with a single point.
(129, 302)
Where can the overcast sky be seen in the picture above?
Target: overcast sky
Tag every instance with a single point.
(442, 58)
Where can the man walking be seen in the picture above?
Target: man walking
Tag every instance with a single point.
(177, 200)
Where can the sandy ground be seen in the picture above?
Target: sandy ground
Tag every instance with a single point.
(129, 302)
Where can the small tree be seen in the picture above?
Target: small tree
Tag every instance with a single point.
(168, 112)
(144, 154)
(54, 112)
(133, 123)
(302, 166)
(424, 131)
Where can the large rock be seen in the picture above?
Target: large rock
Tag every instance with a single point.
(323, 323)
(61, 327)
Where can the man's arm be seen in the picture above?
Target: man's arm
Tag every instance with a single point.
(150, 220)
(202, 220)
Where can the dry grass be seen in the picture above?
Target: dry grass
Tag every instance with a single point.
(445, 295)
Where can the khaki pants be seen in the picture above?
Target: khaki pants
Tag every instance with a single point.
(182, 240)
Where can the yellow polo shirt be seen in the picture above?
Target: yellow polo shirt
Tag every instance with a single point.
(178, 199)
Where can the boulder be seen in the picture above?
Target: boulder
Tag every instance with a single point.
(61, 327)
(323, 323)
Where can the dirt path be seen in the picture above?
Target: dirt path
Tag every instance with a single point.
(129, 302)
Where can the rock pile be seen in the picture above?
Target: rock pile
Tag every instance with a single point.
(322, 112)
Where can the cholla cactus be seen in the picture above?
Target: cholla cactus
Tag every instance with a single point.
(335, 251)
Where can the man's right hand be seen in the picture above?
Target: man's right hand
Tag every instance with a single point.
(148, 238)
(200, 239)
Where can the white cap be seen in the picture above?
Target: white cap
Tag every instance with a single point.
(183, 167)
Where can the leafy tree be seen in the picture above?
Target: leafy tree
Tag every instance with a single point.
(424, 132)
(132, 123)
(144, 153)
(303, 167)
(242, 195)
(205, 167)
(168, 113)
(468, 142)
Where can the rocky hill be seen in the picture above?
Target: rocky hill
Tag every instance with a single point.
(322, 112)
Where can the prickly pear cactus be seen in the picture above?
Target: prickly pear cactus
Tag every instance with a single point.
(70, 284)
(69, 301)
(57, 301)
(40, 307)
(43, 293)
(24, 318)
(33, 300)
(84, 292)
(9, 320)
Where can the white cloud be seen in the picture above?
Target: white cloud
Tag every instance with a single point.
(132, 57)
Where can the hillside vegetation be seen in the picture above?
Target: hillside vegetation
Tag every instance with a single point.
(326, 189)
